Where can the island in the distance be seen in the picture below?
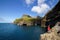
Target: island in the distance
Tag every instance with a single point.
(27, 20)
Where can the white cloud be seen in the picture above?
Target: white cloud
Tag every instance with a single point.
(36, 9)
(28, 2)
(43, 8)
(40, 2)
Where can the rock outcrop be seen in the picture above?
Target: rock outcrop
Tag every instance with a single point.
(27, 20)
(52, 34)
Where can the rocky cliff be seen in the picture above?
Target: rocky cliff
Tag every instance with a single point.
(52, 34)
(27, 20)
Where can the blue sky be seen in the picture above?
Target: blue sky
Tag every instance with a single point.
(12, 9)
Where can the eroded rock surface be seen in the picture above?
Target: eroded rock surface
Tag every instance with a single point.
(52, 34)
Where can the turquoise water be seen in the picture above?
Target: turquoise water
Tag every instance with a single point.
(9, 31)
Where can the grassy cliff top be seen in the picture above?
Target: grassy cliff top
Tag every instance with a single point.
(26, 18)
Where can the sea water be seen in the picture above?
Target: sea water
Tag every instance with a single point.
(9, 31)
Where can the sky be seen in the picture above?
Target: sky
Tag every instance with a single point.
(12, 9)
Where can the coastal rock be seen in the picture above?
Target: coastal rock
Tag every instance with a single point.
(52, 34)
(27, 20)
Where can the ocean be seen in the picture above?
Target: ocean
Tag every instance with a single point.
(9, 31)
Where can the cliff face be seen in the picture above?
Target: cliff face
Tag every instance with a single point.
(52, 17)
(28, 20)
(52, 34)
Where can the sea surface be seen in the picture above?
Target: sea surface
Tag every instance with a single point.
(9, 31)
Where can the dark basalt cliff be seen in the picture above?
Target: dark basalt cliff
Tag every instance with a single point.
(52, 17)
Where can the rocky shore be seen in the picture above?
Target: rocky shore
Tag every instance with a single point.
(52, 34)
